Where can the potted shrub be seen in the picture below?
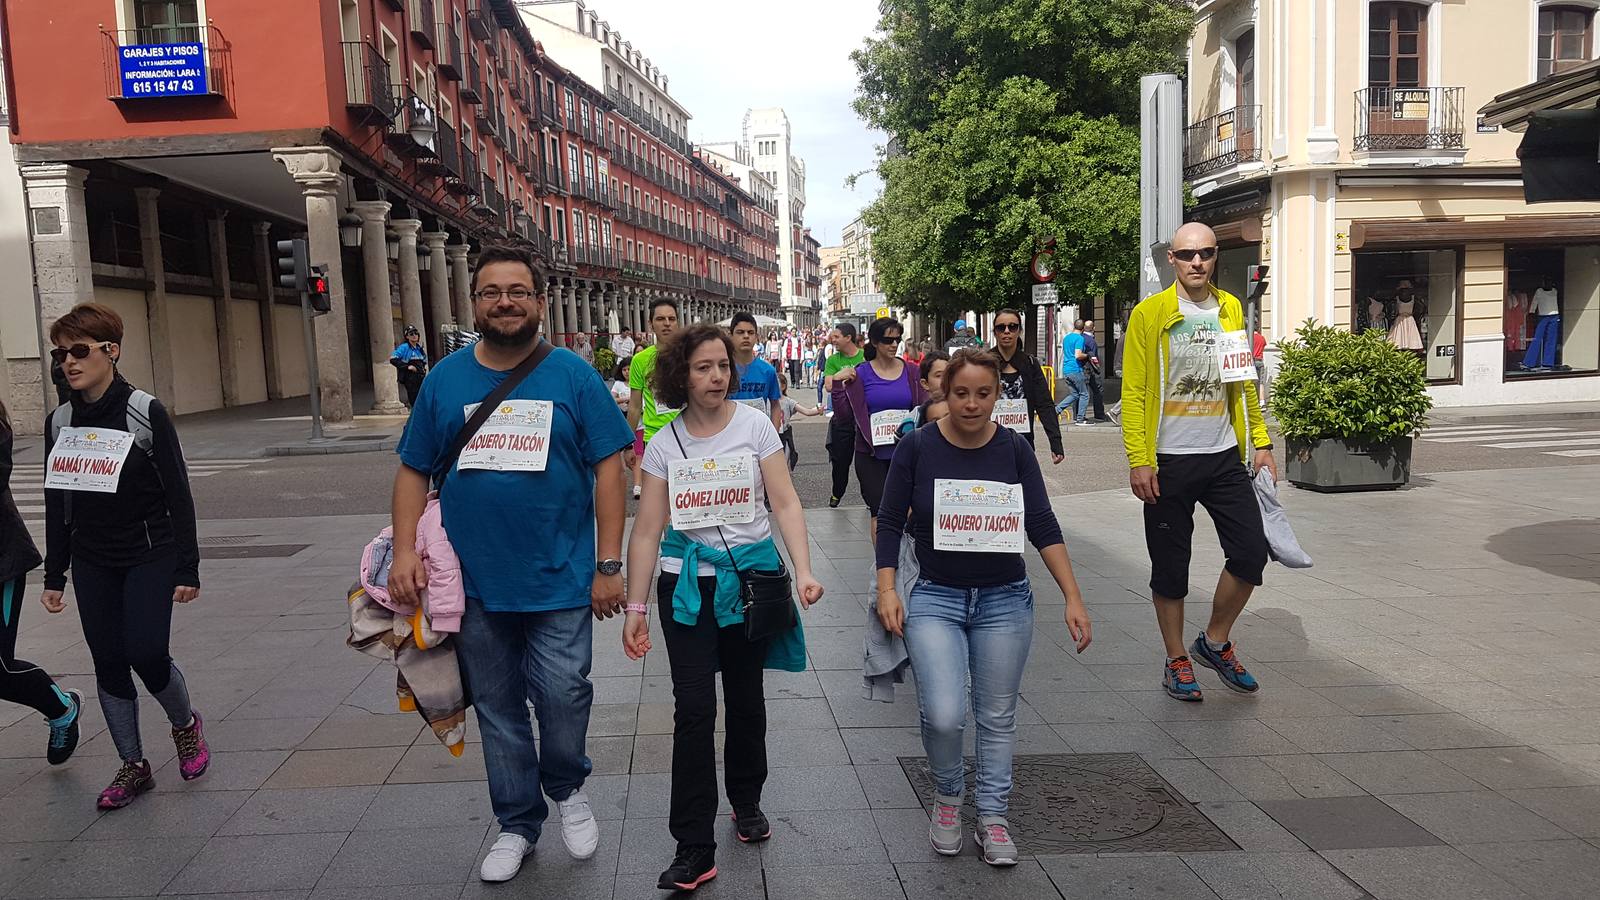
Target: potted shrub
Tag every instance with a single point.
(1348, 405)
(605, 360)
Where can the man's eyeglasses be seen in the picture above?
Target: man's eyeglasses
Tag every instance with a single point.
(1007, 326)
(1189, 253)
(493, 295)
(59, 355)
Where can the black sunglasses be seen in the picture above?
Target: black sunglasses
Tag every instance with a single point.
(889, 339)
(1188, 255)
(59, 355)
(1008, 326)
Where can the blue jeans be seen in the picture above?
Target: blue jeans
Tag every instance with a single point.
(951, 634)
(508, 659)
(1546, 338)
(1076, 393)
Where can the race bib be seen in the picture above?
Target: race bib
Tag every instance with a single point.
(515, 438)
(1235, 360)
(886, 424)
(712, 490)
(87, 459)
(977, 516)
(1013, 414)
(759, 404)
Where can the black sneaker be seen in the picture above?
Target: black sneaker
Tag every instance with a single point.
(751, 824)
(692, 867)
(64, 731)
(833, 502)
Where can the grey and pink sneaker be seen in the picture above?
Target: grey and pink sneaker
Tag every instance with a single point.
(131, 780)
(193, 754)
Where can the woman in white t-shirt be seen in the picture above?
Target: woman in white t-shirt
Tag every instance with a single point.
(711, 474)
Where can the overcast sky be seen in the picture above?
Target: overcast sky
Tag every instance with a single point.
(725, 56)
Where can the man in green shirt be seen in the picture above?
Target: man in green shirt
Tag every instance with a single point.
(641, 401)
(841, 430)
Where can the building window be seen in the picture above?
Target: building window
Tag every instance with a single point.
(1552, 310)
(1397, 45)
(1566, 38)
(1411, 295)
(167, 21)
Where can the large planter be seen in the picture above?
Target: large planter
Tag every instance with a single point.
(1337, 464)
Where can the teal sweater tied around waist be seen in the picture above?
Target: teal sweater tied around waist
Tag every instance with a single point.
(787, 651)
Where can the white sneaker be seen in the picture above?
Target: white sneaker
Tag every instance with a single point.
(578, 829)
(504, 859)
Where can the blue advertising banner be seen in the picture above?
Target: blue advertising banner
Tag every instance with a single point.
(163, 70)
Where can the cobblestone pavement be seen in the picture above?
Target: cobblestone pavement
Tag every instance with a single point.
(1425, 729)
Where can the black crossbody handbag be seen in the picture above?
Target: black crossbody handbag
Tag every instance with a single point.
(766, 597)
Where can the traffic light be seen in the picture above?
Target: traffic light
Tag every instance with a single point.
(294, 264)
(317, 290)
(1258, 281)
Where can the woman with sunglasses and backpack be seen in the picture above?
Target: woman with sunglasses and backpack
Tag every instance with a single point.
(118, 511)
(708, 478)
(1024, 395)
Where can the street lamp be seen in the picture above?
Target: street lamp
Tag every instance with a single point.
(350, 229)
(424, 258)
(392, 239)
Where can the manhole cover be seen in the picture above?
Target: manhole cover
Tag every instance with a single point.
(227, 540)
(1090, 803)
(264, 551)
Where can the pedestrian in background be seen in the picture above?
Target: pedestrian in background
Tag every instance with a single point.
(1071, 388)
(878, 396)
(133, 550)
(1092, 371)
(21, 681)
(1022, 384)
(530, 604)
(841, 428)
(698, 591)
(410, 363)
(791, 408)
(970, 616)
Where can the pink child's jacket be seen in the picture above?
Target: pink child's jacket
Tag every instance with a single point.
(446, 598)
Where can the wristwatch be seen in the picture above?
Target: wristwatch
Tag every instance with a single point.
(609, 567)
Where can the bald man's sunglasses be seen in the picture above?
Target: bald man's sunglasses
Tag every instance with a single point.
(1188, 255)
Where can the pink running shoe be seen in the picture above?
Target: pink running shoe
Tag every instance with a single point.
(193, 754)
(131, 780)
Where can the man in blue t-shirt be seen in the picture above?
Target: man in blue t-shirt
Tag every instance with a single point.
(522, 505)
(1072, 390)
(756, 384)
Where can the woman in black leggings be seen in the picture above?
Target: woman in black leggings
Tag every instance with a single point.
(22, 681)
(119, 512)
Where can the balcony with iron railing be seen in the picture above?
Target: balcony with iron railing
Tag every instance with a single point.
(481, 21)
(445, 160)
(549, 114)
(366, 84)
(415, 119)
(424, 22)
(471, 174)
(552, 178)
(167, 61)
(488, 123)
(471, 89)
(447, 52)
(1224, 141)
(1410, 118)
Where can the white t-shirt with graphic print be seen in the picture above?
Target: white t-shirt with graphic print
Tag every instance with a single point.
(1194, 408)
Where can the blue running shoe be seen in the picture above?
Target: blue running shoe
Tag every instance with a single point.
(64, 731)
(1178, 680)
(1227, 664)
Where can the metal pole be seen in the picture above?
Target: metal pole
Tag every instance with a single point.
(316, 377)
(1160, 176)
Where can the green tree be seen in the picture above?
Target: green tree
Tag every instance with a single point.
(1011, 121)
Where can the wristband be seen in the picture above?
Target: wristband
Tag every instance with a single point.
(639, 608)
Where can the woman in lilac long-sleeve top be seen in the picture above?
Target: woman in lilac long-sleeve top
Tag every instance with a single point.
(879, 396)
(974, 490)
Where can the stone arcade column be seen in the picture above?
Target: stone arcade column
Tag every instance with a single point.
(461, 285)
(608, 304)
(62, 272)
(316, 170)
(438, 279)
(222, 308)
(555, 315)
(271, 335)
(569, 310)
(411, 283)
(586, 308)
(156, 311)
(380, 306)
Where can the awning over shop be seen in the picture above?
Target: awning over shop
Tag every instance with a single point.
(1560, 151)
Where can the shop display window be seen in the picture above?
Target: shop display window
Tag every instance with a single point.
(1412, 296)
(1552, 311)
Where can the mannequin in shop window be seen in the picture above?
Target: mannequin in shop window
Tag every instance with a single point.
(1373, 315)
(1516, 324)
(1546, 341)
(1403, 331)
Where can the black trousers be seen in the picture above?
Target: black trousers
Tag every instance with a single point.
(786, 437)
(412, 382)
(127, 622)
(1095, 383)
(794, 372)
(1219, 482)
(22, 681)
(871, 472)
(696, 652)
(841, 453)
